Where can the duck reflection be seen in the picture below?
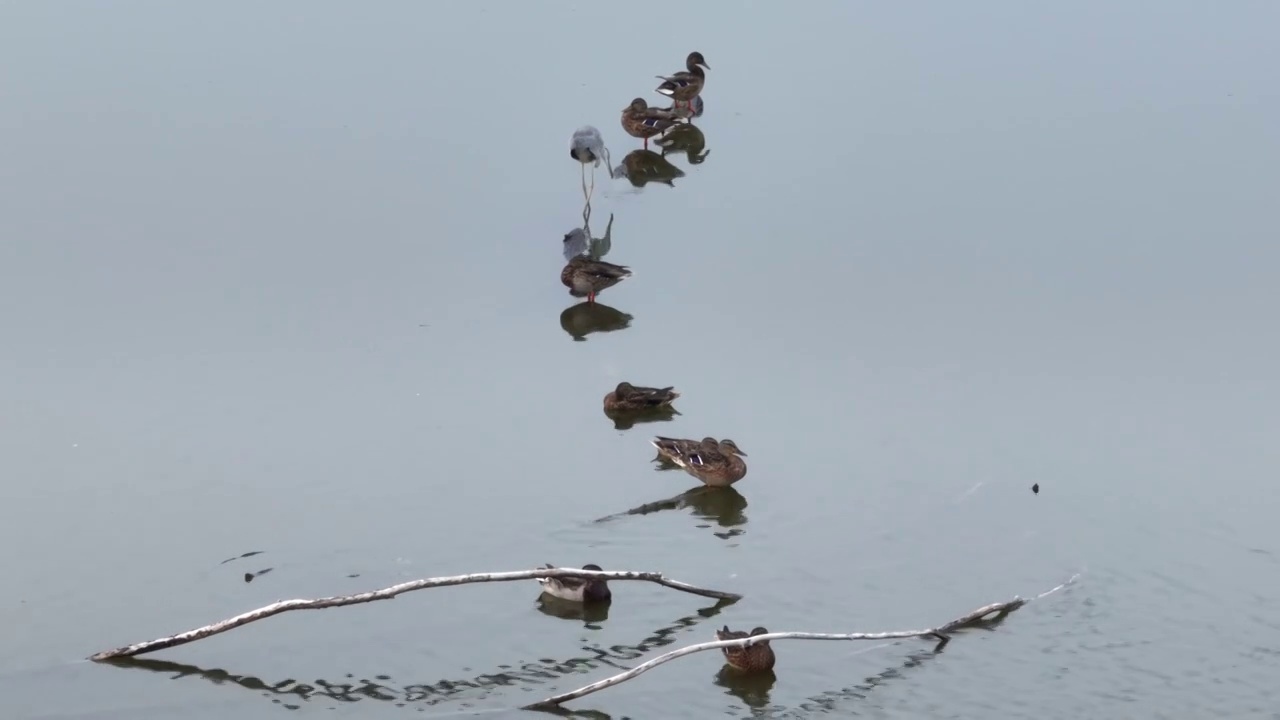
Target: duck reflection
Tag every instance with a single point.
(625, 420)
(642, 167)
(724, 506)
(752, 688)
(591, 614)
(687, 139)
(519, 674)
(583, 319)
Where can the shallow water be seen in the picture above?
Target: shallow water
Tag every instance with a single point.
(284, 278)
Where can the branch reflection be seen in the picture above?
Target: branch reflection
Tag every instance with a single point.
(291, 693)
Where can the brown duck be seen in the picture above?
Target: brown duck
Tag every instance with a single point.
(631, 398)
(756, 657)
(586, 277)
(642, 121)
(687, 84)
(716, 464)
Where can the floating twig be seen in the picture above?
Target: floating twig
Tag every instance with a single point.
(941, 632)
(389, 592)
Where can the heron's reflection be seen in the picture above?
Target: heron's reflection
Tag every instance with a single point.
(724, 506)
(645, 166)
(687, 139)
(597, 247)
(752, 688)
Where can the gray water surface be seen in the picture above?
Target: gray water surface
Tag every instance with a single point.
(284, 278)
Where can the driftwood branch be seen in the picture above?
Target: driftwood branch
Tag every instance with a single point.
(390, 592)
(986, 613)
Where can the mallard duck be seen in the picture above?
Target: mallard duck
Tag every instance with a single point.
(671, 448)
(642, 121)
(717, 466)
(584, 590)
(686, 84)
(583, 276)
(756, 657)
(627, 397)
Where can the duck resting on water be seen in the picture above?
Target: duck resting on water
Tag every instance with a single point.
(582, 590)
(716, 464)
(756, 657)
(630, 398)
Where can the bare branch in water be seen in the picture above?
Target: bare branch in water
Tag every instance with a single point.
(390, 592)
(983, 614)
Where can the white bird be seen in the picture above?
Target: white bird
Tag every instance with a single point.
(587, 146)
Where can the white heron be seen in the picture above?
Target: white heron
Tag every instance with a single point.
(587, 146)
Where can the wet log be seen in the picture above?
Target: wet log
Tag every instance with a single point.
(388, 593)
(986, 613)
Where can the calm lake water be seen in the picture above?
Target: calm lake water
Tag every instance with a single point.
(285, 278)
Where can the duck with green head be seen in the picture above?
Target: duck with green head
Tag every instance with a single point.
(642, 121)
(717, 464)
(687, 84)
(586, 277)
(756, 657)
(633, 398)
(582, 590)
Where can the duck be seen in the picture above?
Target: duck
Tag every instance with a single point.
(628, 397)
(687, 84)
(581, 590)
(756, 657)
(642, 121)
(586, 277)
(670, 448)
(716, 465)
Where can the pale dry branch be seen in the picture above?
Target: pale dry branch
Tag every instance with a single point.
(982, 614)
(390, 592)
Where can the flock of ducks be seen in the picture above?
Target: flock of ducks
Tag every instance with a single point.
(717, 463)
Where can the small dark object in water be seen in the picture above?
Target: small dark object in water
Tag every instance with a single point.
(1036, 488)
(248, 577)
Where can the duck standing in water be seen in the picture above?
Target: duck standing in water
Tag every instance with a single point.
(687, 84)
(583, 276)
(716, 464)
(582, 590)
(631, 398)
(642, 121)
(756, 657)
